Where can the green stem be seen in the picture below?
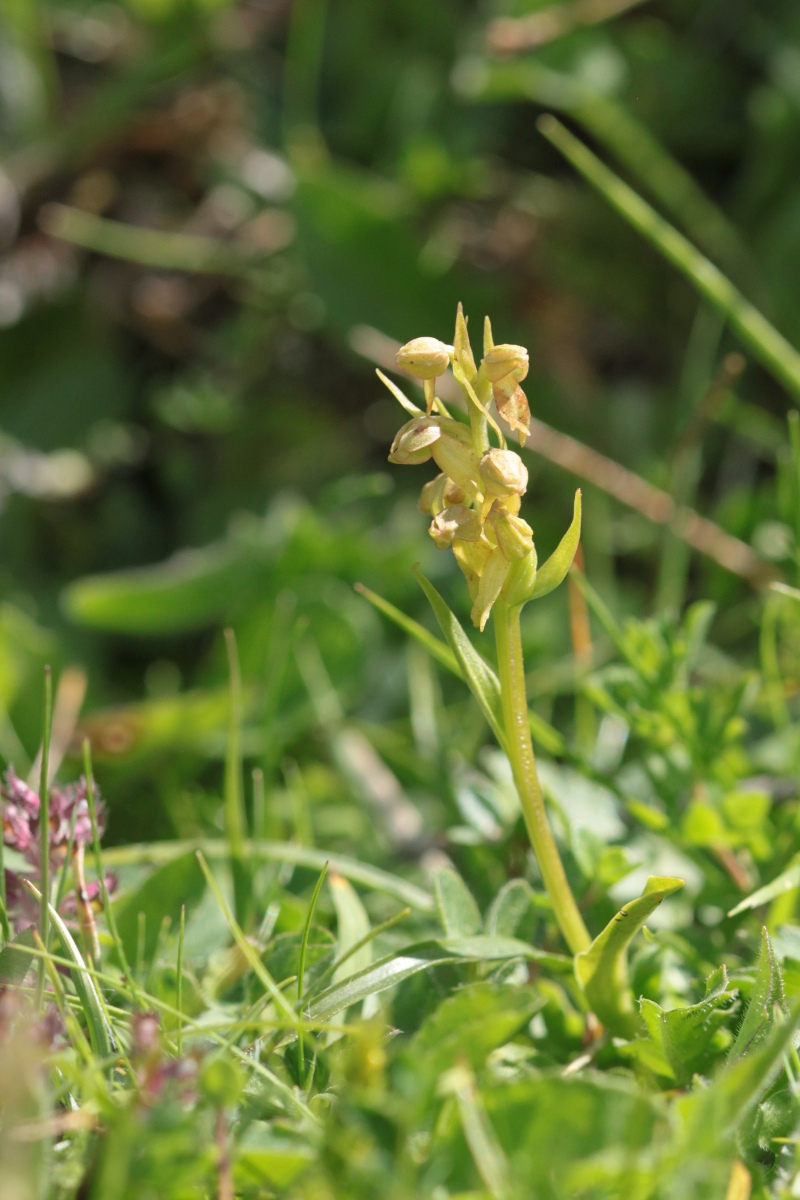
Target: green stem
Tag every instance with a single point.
(523, 764)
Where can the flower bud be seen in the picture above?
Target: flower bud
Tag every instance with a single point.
(514, 536)
(415, 440)
(440, 493)
(462, 351)
(505, 360)
(424, 357)
(503, 473)
(459, 462)
(455, 522)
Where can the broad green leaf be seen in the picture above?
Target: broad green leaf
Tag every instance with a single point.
(683, 1037)
(393, 969)
(479, 676)
(160, 895)
(767, 994)
(14, 963)
(263, 1160)
(787, 881)
(188, 591)
(469, 1023)
(554, 571)
(100, 1035)
(548, 1125)
(458, 911)
(602, 970)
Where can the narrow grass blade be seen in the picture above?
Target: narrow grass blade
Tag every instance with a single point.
(481, 1138)
(435, 647)
(422, 956)
(478, 675)
(335, 972)
(44, 829)
(374, 878)
(250, 953)
(179, 979)
(765, 342)
(628, 139)
(787, 881)
(156, 248)
(102, 1039)
(235, 822)
(301, 970)
(100, 867)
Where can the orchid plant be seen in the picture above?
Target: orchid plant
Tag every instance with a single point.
(474, 504)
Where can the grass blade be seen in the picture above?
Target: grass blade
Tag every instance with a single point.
(157, 853)
(250, 953)
(768, 345)
(44, 830)
(435, 646)
(235, 823)
(301, 970)
(102, 1039)
(476, 672)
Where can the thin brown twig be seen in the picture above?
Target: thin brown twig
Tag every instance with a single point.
(609, 476)
(512, 35)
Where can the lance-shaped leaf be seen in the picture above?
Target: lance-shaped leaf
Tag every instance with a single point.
(394, 968)
(787, 881)
(481, 679)
(458, 911)
(551, 573)
(602, 970)
(767, 994)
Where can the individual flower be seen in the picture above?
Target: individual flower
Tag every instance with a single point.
(69, 810)
(440, 493)
(425, 358)
(455, 522)
(503, 473)
(505, 367)
(514, 536)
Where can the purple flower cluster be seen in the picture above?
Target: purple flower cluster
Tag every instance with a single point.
(68, 806)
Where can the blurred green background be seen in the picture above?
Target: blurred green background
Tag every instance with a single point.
(213, 215)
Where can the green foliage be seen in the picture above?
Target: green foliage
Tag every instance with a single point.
(215, 220)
